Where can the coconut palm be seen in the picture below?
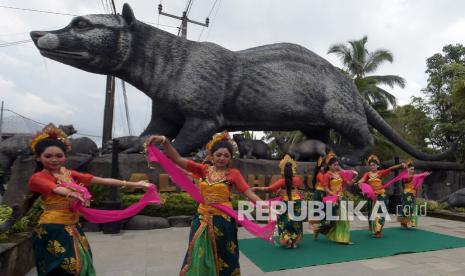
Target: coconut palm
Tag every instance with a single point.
(359, 62)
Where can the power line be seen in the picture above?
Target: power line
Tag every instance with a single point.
(214, 16)
(208, 16)
(6, 44)
(34, 10)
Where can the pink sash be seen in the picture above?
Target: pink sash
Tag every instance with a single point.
(181, 180)
(368, 191)
(330, 199)
(417, 179)
(103, 216)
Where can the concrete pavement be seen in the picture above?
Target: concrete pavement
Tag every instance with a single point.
(160, 252)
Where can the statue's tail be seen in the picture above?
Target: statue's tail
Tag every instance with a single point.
(378, 122)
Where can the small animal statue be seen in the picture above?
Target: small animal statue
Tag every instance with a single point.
(304, 150)
(200, 88)
(129, 144)
(252, 148)
(456, 199)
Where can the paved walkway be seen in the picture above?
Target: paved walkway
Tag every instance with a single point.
(160, 252)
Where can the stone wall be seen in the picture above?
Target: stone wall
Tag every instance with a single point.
(16, 256)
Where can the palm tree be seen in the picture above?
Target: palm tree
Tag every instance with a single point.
(359, 62)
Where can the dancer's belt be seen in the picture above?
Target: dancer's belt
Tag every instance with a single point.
(57, 206)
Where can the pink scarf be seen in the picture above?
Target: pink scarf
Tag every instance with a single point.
(347, 176)
(103, 216)
(417, 179)
(368, 191)
(181, 180)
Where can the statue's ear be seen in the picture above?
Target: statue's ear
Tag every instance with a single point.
(128, 14)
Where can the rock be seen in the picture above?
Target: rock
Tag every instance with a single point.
(180, 221)
(146, 223)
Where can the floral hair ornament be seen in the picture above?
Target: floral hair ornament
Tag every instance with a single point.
(223, 136)
(287, 159)
(329, 156)
(408, 163)
(50, 131)
(373, 159)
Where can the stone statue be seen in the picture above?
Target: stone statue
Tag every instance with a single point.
(200, 88)
(456, 199)
(304, 150)
(83, 146)
(252, 148)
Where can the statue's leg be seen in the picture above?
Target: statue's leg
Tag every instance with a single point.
(317, 134)
(160, 126)
(195, 133)
(353, 127)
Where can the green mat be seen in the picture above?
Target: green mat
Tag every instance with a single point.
(269, 257)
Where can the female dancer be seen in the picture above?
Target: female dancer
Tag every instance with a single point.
(60, 246)
(411, 183)
(375, 179)
(290, 231)
(334, 182)
(213, 247)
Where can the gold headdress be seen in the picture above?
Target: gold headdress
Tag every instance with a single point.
(408, 163)
(329, 156)
(373, 158)
(284, 161)
(223, 136)
(50, 131)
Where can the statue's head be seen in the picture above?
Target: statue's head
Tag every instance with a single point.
(98, 43)
(68, 129)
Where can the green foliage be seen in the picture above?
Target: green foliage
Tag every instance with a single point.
(358, 62)
(445, 93)
(5, 213)
(25, 223)
(173, 204)
(99, 194)
(431, 205)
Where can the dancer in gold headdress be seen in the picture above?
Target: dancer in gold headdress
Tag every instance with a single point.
(290, 230)
(60, 246)
(375, 179)
(334, 182)
(408, 214)
(213, 247)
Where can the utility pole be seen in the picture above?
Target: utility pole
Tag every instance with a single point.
(1, 121)
(184, 20)
(108, 111)
(109, 104)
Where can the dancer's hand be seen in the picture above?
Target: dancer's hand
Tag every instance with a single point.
(156, 139)
(144, 185)
(79, 197)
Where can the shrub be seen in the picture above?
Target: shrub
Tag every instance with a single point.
(173, 204)
(431, 205)
(25, 223)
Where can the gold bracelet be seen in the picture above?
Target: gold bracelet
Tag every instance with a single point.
(124, 184)
(163, 140)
